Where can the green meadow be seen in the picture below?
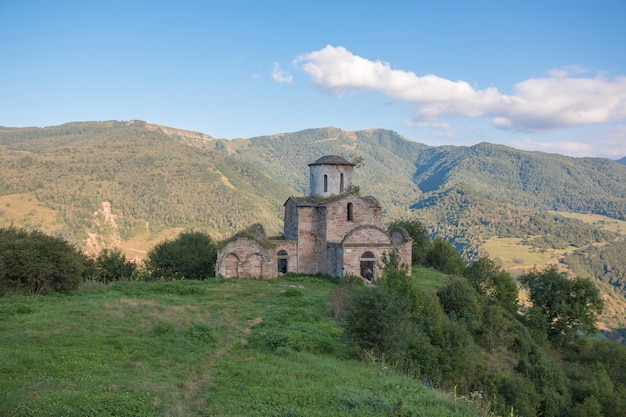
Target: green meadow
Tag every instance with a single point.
(197, 348)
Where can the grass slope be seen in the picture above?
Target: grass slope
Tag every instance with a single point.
(227, 348)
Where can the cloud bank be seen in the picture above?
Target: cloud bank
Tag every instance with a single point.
(563, 99)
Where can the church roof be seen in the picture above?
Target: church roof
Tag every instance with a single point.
(317, 202)
(332, 160)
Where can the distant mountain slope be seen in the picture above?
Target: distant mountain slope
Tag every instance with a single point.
(529, 179)
(401, 172)
(386, 173)
(622, 161)
(151, 181)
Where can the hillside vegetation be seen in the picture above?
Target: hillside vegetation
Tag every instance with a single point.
(120, 180)
(477, 197)
(167, 338)
(132, 184)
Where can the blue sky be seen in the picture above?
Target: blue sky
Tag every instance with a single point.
(544, 75)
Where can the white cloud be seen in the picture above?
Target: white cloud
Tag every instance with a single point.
(600, 142)
(560, 100)
(571, 148)
(280, 76)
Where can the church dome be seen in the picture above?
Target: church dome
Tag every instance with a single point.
(330, 175)
(332, 160)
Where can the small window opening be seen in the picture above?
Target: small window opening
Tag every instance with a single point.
(341, 183)
(325, 183)
(350, 212)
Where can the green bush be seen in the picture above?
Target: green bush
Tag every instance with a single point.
(34, 262)
(443, 257)
(112, 266)
(460, 302)
(419, 234)
(192, 255)
(493, 282)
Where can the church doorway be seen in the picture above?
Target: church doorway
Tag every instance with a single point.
(368, 263)
(283, 262)
(231, 265)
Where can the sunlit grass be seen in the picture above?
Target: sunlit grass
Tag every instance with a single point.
(512, 255)
(602, 222)
(428, 279)
(218, 347)
(25, 210)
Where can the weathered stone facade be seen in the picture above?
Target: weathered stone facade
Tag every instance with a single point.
(331, 231)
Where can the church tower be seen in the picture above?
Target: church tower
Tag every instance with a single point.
(330, 175)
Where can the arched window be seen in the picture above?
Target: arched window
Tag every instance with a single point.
(283, 262)
(325, 183)
(350, 212)
(341, 183)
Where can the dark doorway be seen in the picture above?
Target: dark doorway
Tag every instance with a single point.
(283, 262)
(368, 262)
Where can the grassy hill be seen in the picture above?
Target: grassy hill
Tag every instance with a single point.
(194, 349)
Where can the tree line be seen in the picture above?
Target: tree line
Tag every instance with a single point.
(476, 338)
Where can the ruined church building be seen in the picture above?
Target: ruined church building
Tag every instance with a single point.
(332, 231)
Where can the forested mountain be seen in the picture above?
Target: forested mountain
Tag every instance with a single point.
(529, 179)
(131, 184)
(388, 159)
(120, 180)
(622, 161)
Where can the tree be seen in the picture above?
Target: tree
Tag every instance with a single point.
(566, 306)
(493, 282)
(36, 263)
(443, 257)
(418, 233)
(460, 302)
(192, 255)
(113, 266)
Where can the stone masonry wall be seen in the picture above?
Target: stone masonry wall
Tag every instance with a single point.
(337, 224)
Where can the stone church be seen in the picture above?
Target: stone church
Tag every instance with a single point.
(331, 231)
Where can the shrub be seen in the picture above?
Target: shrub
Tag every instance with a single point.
(112, 266)
(443, 257)
(36, 263)
(419, 234)
(492, 281)
(460, 302)
(192, 255)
